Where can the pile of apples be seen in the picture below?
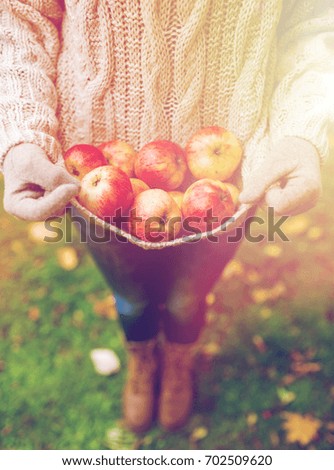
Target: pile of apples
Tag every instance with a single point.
(164, 190)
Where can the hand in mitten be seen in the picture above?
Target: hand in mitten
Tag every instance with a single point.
(288, 180)
(35, 188)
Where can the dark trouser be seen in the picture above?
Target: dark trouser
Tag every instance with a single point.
(162, 289)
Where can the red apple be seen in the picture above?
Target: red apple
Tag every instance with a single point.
(106, 192)
(120, 154)
(155, 216)
(188, 180)
(138, 186)
(161, 164)
(234, 191)
(207, 202)
(83, 158)
(213, 152)
(177, 196)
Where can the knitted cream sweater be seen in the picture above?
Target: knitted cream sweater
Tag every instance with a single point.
(76, 71)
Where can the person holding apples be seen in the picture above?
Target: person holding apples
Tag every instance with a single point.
(80, 71)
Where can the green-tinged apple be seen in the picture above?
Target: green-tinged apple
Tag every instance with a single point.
(177, 196)
(106, 192)
(138, 186)
(83, 158)
(155, 216)
(161, 164)
(213, 152)
(206, 204)
(234, 191)
(120, 154)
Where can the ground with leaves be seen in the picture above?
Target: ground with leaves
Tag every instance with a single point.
(264, 372)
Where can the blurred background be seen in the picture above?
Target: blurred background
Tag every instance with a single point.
(264, 370)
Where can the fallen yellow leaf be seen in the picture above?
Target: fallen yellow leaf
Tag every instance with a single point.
(67, 258)
(106, 308)
(37, 232)
(251, 419)
(78, 318)
(253, 276)
(211, 349)
(33, 313)
(210, 299)
(285, 396)
(274, 438)
(315, 233)
(199, 433)
(273, 251)
(296, 225)
(265, 312)
(17, 247)
(233, 269)
(277, 290)
(300, 428)
(260, 295)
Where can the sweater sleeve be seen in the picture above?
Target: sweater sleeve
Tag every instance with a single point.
(302, 104)
(29, 46)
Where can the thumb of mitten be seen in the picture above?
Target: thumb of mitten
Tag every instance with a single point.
(35, 188)
(261, 179)
(53, 203)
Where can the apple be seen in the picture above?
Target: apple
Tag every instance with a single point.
(161, 164)
(120, 154)
(83, 158)
(206, 204)
(106, 192)
(155, 216)
(234, 191)
(177, 196)
(188, 180)
(213, 152)
(138, 186)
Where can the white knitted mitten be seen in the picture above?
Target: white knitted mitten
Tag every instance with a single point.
(288, 180)
(35, 188)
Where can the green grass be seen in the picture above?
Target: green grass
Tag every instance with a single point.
(51, 397)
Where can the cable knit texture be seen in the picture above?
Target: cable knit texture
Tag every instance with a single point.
(89, 71)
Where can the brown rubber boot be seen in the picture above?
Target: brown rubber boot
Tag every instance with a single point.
(176, 392)
(139, 391)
